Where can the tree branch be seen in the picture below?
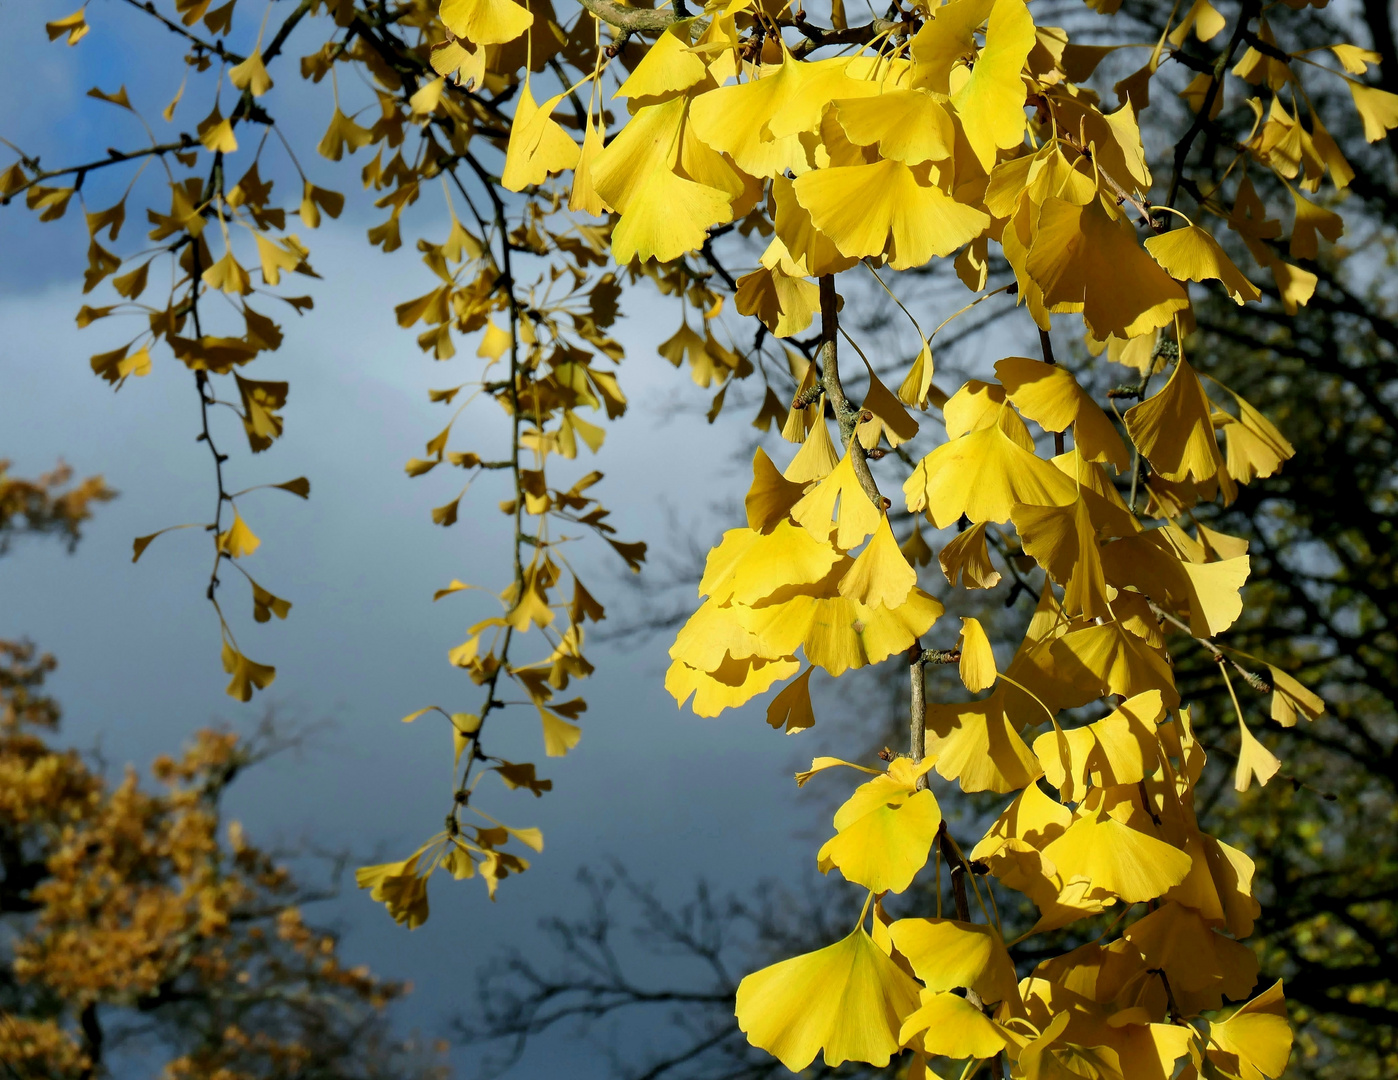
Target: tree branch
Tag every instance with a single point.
(845, 413)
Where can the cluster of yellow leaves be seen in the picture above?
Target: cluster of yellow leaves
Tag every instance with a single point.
(1131, 1005)
(788, 583)
(1121, 829)
(900, 159)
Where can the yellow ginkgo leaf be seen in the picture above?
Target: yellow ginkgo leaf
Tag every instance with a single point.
(582, 196)
(747, 567)
(947, 955)
(1254, 446)
(950, 1026)
(343, 132)
(669, 217)
(884, 834)
(889, 418)
(758, 123)
(1289, 698)
(991, 102)
(1208, 592)
(983, 475)
(538, 144)
(976, 745)
(238, 540)
(811, 252)
(1191, 254)
(1177, 941)
(485, 22)
(881, 575)
(274, 259)
(216, 133)
(1051, 1056)
(915, 548)
(868, 210)
(715, 633)
(1085, 259)
(946, 39)
(1127, 746)
(884, 632)
(977, 404)
(792, 707)
(428, 96)
(1050, 396)
(251, 74)
(1117, 859)
(1033, 818)
(820, 764)
(1112, 659)
(732, 683)
(1203, 18)
(967, 557)
(1201, 964)
(74, 26)
(245, 673)
(785, 304)
(817, 457)
(848, 999)
(1310, 220)
(1295, 285)
(910, 126)
(1063, 540)
(453, 58)
(228, 276)
(1354, 59)
(531, 609)
(667, 67)
(1377, 108)
(1255, 1042)
(838, 633)
(559, 735)
(1255, 761)
(977, 668)
(643, 146)
(1021, 867)
(1174, 429)
(771, 496)
(733, 120)
(399, 888)
(837, 509)
(663, 215)
(1121, 748)
(917, 388)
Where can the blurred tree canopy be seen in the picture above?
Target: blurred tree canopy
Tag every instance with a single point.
(139, 923)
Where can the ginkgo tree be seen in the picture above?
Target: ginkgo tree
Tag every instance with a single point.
(580, 154)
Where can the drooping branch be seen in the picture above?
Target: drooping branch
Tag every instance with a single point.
(917, 705)
(114, 157)
(1046, 347)
(1246, 14)
(846, 415)
(631, 20)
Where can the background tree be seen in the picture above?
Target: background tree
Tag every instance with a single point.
(142, 926)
